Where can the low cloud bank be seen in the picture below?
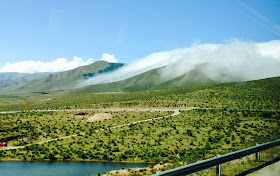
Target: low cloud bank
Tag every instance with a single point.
(246, 60)
(60, 64)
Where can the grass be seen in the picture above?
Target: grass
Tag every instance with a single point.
(33, 127)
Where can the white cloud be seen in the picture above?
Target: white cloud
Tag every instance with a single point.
(245, 60)
(60, 64)
(270, 49)
(109, 58)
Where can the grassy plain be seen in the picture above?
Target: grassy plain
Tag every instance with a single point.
(191, 136)
(259, 94)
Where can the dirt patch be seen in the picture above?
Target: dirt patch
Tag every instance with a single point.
(99, 117)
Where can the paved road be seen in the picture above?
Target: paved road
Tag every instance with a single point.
(112, 109)
(139, 109)
(271, 170)
(176, 112)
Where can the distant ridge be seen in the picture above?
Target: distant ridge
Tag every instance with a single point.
(13, 79)
(66, 79)
(153, 79)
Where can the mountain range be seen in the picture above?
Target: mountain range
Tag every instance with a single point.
(21, 82)
(13, 79)
(152, 79)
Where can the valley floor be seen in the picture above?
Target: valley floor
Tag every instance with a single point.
(176, 126)
(176, 112)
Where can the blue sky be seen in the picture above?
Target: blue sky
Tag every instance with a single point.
(37, 30)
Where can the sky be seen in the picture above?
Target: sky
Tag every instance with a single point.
(48, 36)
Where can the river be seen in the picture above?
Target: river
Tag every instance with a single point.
(58, 168)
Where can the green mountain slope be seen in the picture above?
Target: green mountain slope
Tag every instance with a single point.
(153, 79)
(65, 80)
(143, 81)
(194, 77)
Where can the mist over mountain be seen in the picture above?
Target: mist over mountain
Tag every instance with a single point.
(200, 64)
(153, 79)
(242, 60)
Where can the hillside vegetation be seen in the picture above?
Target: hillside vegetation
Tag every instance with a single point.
(259, 94)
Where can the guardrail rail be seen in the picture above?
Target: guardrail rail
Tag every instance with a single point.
(220, 159)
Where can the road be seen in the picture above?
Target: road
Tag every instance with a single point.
(111, 109)
(273, 169)
(139, 109)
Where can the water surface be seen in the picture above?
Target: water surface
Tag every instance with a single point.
(58, 168)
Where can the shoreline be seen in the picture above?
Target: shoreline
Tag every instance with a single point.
(74, 160)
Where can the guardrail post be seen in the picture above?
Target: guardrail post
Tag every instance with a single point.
(218, 168)
(257, 154)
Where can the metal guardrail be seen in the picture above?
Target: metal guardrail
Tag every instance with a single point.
(217, 161)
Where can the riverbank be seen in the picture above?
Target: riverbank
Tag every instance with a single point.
(142, 171)
(76, 160)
